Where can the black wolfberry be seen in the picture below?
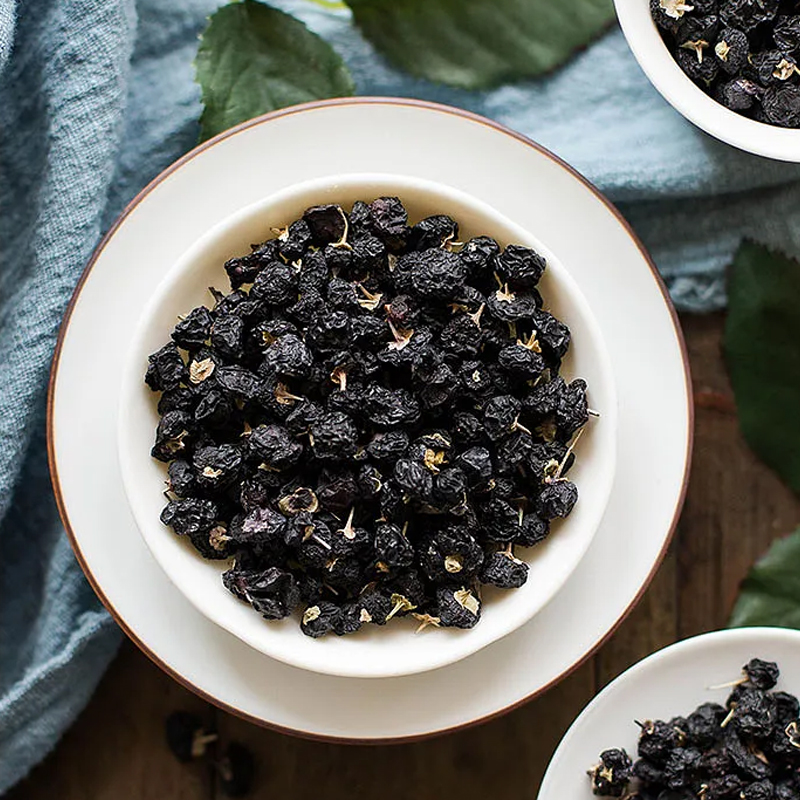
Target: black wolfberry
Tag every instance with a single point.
(370, 410)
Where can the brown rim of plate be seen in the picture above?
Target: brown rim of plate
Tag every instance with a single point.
(391, 101)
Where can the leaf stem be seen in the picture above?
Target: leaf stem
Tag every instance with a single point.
(334, 5)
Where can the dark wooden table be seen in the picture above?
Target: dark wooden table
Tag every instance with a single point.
(735, 507)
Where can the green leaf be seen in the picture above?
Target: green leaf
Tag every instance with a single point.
(254, 58)
(762, 351)
(478, 43)
(770, 594)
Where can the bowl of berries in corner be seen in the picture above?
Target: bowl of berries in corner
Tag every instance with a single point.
(714, 717)
(385, 436)
(729, 66)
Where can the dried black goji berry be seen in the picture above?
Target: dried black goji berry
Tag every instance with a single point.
(745, 749)
(611, 776)
(740, 52)
(370, 410)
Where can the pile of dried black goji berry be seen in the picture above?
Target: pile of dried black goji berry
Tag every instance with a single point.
(742, 52)
(374, 424)
(748, 749)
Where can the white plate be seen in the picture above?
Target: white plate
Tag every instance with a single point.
(532, 188)
(666, 684)
(391, 650)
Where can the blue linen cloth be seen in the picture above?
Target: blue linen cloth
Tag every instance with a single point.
(97, 97)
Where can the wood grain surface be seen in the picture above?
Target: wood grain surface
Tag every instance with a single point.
(735, 507)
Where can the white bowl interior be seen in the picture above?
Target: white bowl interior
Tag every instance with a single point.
(393, 649)
(677, 89)
(668, 683)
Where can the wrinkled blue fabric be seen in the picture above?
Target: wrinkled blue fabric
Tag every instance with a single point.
(97, 97)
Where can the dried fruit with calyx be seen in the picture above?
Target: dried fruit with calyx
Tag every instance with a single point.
(746, 749)
(373, 423)
(743, 53)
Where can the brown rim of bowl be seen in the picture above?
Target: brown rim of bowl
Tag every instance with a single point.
(391, 101)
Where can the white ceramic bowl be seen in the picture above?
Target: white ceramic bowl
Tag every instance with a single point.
(658, 64)
(394, 649)
(671, 682)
